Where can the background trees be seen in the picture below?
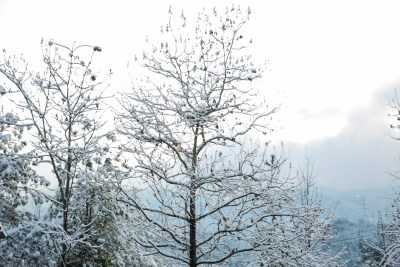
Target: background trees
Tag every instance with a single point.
(299, 238)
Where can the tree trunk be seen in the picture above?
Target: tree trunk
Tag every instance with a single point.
(192, 203)
(193, 247)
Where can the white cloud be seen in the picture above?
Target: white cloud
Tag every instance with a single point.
(362, 155)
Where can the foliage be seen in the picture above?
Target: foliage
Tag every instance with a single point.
(15, 172)
(18, 183)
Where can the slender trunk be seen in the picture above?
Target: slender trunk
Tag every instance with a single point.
(192, 226)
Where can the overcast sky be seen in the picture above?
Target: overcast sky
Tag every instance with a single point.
(332, 66)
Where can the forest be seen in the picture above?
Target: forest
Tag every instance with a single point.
(179, 169)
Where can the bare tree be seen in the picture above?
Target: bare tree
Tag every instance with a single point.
(206, 186)
(301, 238)
(310, 200)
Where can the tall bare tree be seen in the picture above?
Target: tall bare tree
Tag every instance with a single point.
(207, 186)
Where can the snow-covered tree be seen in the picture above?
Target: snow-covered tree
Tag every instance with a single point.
(208, 188)
(300, 238)
(63, 102)
(314, 221)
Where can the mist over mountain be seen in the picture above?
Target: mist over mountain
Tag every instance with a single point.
(358, 204)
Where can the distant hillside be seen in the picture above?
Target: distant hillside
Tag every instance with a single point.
(355, 204)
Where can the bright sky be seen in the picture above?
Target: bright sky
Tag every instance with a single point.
(329, 59)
